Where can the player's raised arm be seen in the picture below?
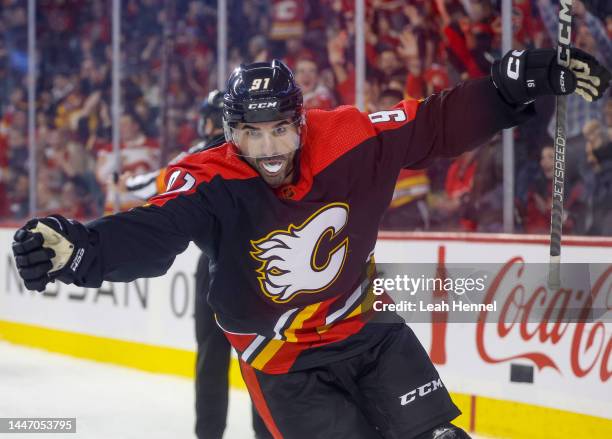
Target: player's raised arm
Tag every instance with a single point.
(464, 117)
(142, 242)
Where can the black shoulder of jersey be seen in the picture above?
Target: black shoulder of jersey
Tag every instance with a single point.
(203, 146)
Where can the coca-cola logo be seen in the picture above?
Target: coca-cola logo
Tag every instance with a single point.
(552, 332)
(552, 328)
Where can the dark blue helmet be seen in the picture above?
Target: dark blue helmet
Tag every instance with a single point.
(211, 108)
(262, 92)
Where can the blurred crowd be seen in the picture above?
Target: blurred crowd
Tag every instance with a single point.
(413, 48)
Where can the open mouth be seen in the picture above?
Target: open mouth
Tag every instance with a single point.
(272, 166)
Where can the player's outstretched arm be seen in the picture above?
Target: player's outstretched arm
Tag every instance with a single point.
(142, 242)
(466, 116)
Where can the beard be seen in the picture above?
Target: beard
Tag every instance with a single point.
(275, 170)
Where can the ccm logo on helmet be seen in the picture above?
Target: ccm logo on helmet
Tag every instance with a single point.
(419, 392)
(262, 105)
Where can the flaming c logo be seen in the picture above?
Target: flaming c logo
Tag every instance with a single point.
(289, 257)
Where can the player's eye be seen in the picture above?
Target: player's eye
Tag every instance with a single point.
(254, 134)
(280, 131)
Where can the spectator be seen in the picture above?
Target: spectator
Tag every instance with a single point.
(389, 66)
(343, 71)
(388, 98)
(316, 95)
(608, 115)
(482, 207)
(535, 215)
(460, 41)
(296, 51)
(48, 189)
(19, 197)
(73, 202)
(450, 205)
(258, 48)
(599, 158)
(4, 175)
(139, 154)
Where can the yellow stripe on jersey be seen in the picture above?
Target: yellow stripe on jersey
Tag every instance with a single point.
(299, 320)
(267, 353)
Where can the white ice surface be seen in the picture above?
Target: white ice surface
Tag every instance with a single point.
(108, 401)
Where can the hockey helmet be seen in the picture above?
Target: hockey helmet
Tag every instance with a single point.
(263, 92)
(211, 109)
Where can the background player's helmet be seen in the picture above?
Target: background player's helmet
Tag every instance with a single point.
(261, 92)
(211, 109)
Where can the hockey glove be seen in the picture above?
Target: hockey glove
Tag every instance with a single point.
(51, 248)
(522, 75)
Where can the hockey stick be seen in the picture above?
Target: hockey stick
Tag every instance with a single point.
(556, 216)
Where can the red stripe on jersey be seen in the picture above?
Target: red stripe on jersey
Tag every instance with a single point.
(341, 330)
(309, 330)
(285, 357)
(250, 379)
(202, 167)
(240, 341)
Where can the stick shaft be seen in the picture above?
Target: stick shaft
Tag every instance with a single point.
(556, 216)
(563, 59)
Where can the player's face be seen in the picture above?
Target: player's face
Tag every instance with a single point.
(269, 147)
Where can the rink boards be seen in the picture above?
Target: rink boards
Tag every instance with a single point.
(148, 324)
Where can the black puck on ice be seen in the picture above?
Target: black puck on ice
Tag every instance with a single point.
(520, 373)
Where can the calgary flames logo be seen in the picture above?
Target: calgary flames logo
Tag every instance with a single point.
(289, 257)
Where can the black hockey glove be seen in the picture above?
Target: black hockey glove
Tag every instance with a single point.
(51, 248)
(522, 75)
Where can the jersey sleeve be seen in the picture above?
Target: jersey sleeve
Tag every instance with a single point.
(144, 241)
(144, 186)
(414, 133)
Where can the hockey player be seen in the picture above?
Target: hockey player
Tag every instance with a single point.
(214, 350)
(288, 212)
